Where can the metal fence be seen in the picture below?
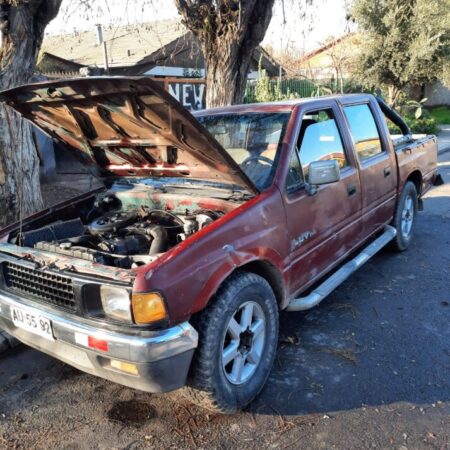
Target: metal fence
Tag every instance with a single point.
(272, 90)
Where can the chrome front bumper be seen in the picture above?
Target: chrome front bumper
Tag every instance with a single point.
(162, 358)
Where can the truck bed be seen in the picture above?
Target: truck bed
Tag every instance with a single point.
(417, 156)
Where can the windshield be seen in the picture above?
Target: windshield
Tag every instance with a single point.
(253, 140)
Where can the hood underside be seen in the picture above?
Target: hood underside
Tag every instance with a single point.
(126, 126)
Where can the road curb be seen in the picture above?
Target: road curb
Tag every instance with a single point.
(444, 150)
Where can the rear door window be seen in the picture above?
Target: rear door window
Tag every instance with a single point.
(364, 131)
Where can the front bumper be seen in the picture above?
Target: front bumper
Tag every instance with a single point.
(162, 358)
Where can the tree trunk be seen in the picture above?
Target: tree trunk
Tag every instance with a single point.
(341, 80)
(226, 76)
(229, 32)
(22, 23)
(20, 192)
(393, 94)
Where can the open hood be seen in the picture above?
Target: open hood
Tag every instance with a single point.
(126, 126)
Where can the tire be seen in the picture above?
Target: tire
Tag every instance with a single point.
(405, 217)
(222, 387)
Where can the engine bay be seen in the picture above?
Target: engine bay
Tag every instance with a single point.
(115, 234)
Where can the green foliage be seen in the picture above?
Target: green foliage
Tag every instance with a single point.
(416, 116)
(441, 114)
(405, 42)
(322, 90)
(424, 125)
(266, 90)
(412, 108)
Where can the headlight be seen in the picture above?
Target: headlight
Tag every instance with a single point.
(148, 308)
(116, 302)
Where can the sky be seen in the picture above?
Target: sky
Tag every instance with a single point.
(289, 31)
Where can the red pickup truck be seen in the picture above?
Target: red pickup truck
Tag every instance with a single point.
(173, 274)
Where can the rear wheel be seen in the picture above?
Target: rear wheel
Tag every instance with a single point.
(238, 334)
(405, 217)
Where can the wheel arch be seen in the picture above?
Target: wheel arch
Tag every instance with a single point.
(416, 178)
(262, 267)
(271, 274)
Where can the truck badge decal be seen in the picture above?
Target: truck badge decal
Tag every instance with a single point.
(302, 238)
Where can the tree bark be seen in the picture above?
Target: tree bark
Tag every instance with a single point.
(228, 31)
(393, 94)
(23, 24)
(227, 76)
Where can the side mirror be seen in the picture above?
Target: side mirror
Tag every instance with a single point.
(323, 172)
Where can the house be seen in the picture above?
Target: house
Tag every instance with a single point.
(160, 49)
(335, 60)
(165, 50)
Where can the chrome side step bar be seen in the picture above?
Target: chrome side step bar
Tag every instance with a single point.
(331, 283)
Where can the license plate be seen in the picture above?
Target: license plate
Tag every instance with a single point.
(34, 323)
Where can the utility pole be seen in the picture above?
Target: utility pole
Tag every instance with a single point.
(102, 42)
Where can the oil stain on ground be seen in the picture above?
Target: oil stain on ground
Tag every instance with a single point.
(131, 413)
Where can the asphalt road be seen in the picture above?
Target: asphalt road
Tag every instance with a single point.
(368, 368)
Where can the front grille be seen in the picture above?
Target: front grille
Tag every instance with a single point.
(51, 288)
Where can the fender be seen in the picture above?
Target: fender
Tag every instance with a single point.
(190, 274)
(235, 261)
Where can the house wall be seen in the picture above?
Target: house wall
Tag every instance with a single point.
(437, 94)
(192, 61)
(322, 63)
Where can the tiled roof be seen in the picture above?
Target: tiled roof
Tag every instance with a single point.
(327, 46)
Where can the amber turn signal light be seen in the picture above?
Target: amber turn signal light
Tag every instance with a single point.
(124, 367)
(148, 308)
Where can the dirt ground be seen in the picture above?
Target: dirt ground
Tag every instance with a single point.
(368, 368)
(66, 187)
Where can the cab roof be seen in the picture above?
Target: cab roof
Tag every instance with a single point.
(283, 105)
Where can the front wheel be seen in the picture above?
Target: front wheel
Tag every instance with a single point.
(238, 335)
(405, 217)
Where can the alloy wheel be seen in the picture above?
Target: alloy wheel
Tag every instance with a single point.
(243, 343)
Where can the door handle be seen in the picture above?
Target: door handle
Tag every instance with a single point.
(351, 189)
(387, 171)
